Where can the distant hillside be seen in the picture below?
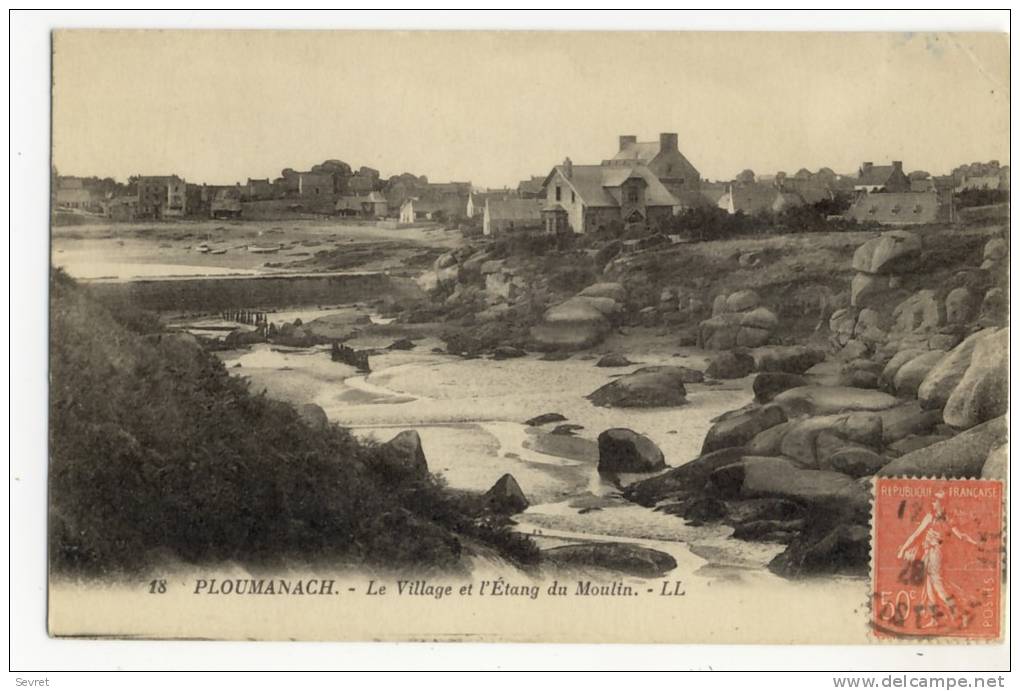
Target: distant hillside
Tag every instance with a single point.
(157, 453)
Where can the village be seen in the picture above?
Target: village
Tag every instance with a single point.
(646, 184)
(692, 341)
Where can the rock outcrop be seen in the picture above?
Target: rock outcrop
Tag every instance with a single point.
(983, 392)
(769, 384)
(961, 456)
(506, 496)
(754, 477)
(738, 321)
(575, 324)
(826, 400)
(625, 451)
(622, 557)
(894, 252)
(791, 359)
(909, 377)
(544, 419)
(613, 360)
(313, 415)
(613, 291)
(740, 429)
(403, 455)
(942, 380)
(647, 387)
(732, 364)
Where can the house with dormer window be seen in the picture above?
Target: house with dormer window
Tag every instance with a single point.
(644, 183)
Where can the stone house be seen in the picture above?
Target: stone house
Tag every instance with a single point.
(477, 200)
(585, 198)
(161, 196)
(75, 196)
(662, 158)
(872, 178)
(371, 205)
(531, 188)
(902, 208)
(643, 183)
(415, 210)
(259, 188)
(509, 215)
(755, 198)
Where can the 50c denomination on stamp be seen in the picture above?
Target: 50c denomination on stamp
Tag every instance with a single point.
(937, 558)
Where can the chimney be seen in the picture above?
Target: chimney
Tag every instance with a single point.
(667, 142)
(626, 140)
(897, 166)
(866, 167)
(568, 168)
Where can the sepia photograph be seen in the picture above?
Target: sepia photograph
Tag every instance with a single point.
(676, 337)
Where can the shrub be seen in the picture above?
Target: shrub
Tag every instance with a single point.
(155, 448)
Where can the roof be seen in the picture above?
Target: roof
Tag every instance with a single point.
(787, 200)
(923, 185)
(896, 208)
(458, 188)
(980, 182)
(593, 182)
(638, 151)
(713, 191)
(751, 198)
(533, 185)
(353, 202)
(74, 194)
(692, 199)
(811, 190)
(874, 176)
(159, 178)
(425, 206)
(514, 209)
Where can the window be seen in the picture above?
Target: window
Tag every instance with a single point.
(895, 209)
(573, 197)
(917, 209)
(559, 193)
(632, 195)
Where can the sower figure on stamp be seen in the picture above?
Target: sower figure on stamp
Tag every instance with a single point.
(935, 528)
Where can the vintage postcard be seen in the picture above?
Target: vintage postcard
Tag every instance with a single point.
(584, 337)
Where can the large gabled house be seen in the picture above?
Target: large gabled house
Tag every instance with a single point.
(663, 159)
(872, 178)
(644, 183)
(901, 208)
(531, 188)
(511, 214)
(758, 197)
(585, 198)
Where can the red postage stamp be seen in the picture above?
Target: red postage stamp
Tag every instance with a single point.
(937, 558)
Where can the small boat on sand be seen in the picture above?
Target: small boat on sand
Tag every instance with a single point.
(222, 250)
(263, 249)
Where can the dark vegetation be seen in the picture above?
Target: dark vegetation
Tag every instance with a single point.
(711, 223)
(157, 454)
(979, 197)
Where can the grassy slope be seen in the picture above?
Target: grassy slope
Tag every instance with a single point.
(156, 449)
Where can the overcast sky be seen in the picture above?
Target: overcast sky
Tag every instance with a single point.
(493, 108)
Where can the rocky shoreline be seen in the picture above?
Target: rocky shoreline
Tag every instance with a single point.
(910, 379)
(904, 373)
